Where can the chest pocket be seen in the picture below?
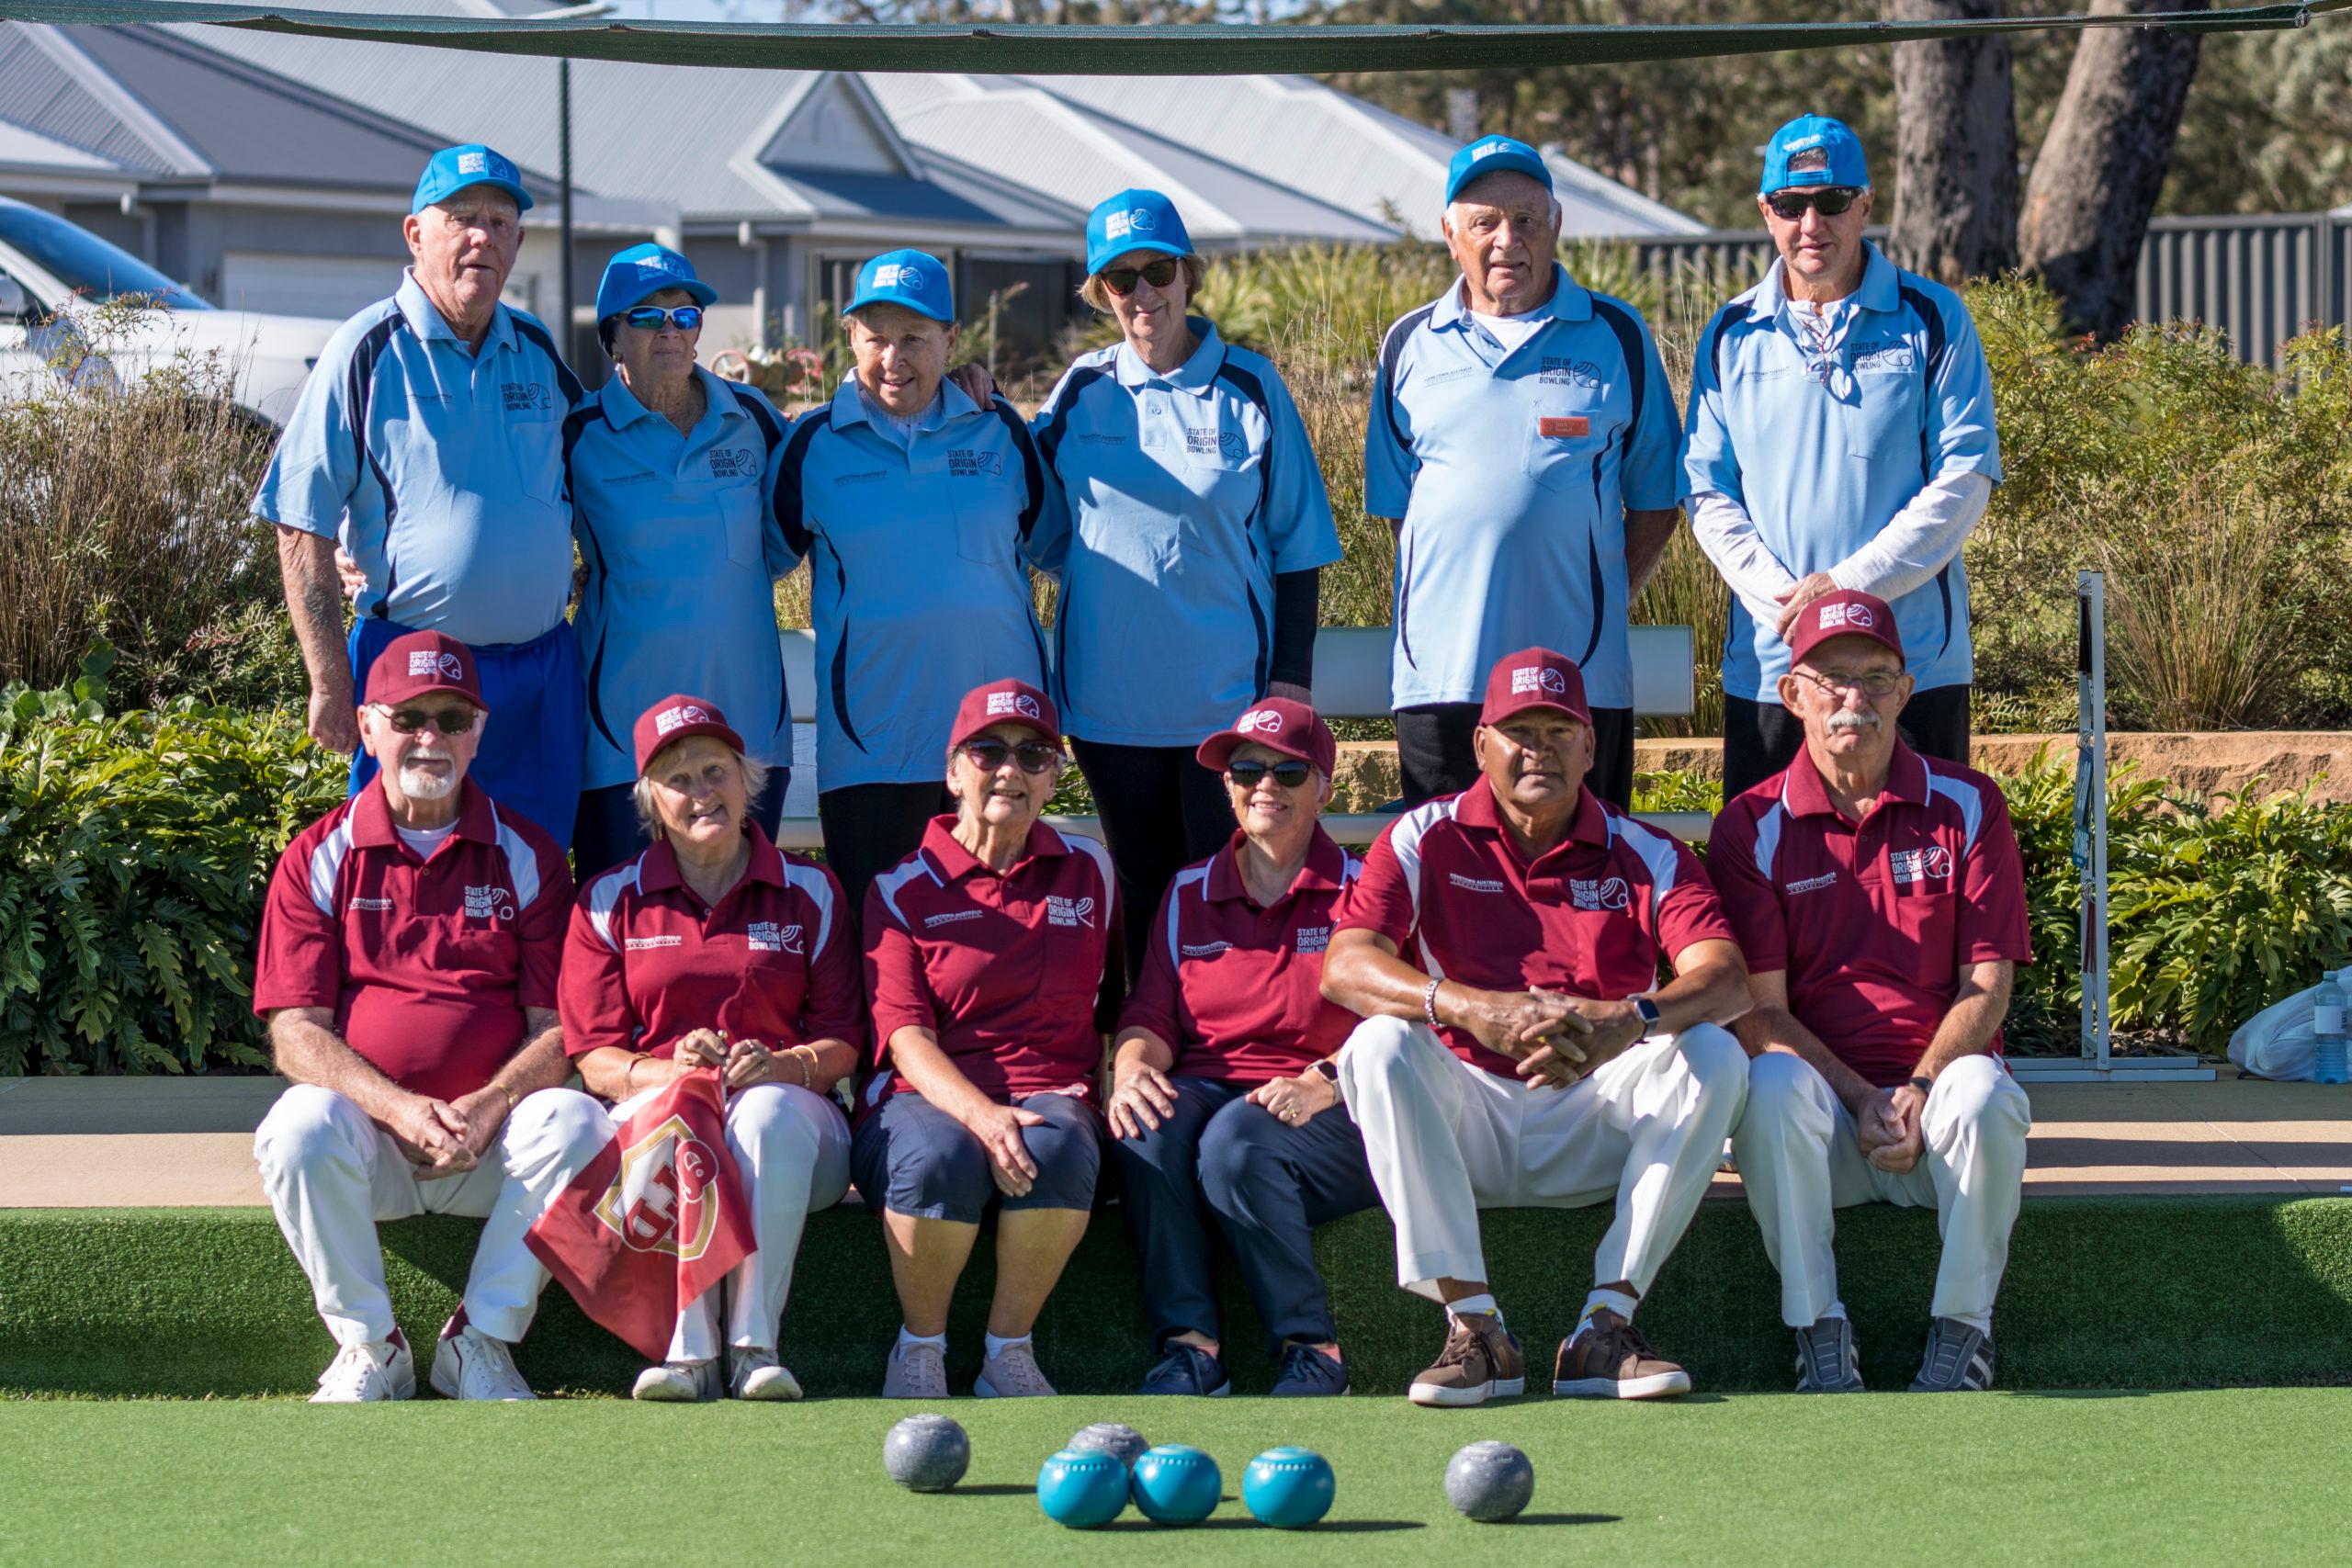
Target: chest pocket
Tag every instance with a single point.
(1566, 433)
(533, 411)
(735, 473)
(1883, 418)
(988, 501)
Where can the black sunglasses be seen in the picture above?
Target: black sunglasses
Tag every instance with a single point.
(448, 721)
(1035, 756)
(1789, 204)
(1290, 774)
(653, 317)
(1121, 280)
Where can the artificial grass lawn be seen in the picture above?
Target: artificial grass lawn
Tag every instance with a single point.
(2248, 1476)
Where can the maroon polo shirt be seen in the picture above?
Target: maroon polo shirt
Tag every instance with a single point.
(1006, 968)
(427, 964)
(1591, 916)
(1237, 989)
(647, 962)
(1873, 921)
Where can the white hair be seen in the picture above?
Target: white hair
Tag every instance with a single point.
(1451, 221)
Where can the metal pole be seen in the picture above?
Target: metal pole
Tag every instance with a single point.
(564, 155)
(2090, 808)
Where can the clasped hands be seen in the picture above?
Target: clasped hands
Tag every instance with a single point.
(1555, 1038)
(1887, 1128)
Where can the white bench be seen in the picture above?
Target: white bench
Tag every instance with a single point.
(1351, 681)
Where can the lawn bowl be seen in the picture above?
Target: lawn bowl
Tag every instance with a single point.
(1289, 1488)
(1489, 1481)
(1082, 1488)
(1173, 1484)
(926, 1453)
(1113, 1437)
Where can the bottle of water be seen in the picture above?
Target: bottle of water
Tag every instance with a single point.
(2328, 1056)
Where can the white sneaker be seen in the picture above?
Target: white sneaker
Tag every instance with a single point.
(680, 1383)
(469, 1364)
(361, 1374)
(1013, 1373)
(759, 1375)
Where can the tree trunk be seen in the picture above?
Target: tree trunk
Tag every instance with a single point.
(1956, 149)
(2096, 179)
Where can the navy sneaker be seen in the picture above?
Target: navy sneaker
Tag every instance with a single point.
(1187, 1368)
(1308, 1373)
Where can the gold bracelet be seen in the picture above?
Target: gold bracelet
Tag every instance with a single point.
(513, 1100)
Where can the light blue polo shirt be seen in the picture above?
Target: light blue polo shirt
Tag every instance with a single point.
(1822, 469)
(683, 548)
(438, 468)
(1186, 493)
(919, 588)
(1512, 469)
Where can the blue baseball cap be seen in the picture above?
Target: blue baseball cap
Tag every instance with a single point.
(452, 169)
(1814, 150)
(642, 270)
(1493, 154)
(914, 280)
(1133, 220)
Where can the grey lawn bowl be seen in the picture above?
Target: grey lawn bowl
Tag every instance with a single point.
(1489, 1481)
(1112, 1438)
(926, 1453)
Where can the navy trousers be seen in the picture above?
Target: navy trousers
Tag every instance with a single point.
(1266, 1184)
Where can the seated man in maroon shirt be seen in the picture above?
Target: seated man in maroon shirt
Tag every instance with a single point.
(1518, 1051)
(1878, 899)
(409, 948)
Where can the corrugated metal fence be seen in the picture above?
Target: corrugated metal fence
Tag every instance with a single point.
(2261, 279)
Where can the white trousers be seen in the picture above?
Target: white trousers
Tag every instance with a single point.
(332, 1173)
(1799, 1159)
(791, 1149)
(1446, 1140)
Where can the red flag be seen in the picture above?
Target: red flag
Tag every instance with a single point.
(656, 1219)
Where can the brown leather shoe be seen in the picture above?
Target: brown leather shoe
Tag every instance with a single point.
(1610, 1360)
(1481, 1361)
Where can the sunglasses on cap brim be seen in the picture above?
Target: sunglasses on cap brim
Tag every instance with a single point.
(1830, 200)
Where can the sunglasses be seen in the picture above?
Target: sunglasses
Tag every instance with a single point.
(1290, 774)
(653, 318)
(1035, 756)
(1830, 200)
(1121, 280)
(448, 721)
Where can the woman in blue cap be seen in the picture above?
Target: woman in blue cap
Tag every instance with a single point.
(1197, 529)
(673, 484)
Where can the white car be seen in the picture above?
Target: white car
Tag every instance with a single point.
(56, 277)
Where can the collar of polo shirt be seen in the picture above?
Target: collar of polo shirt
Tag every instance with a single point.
(659, 871)
(622, 408)
(950, 402)
(1196, 375)
(954, 862)
(1879, 290)
(1325, 863)
(1806, 795)
(372, 826)
(1570, 301)
(425, 318)
(1477, 808)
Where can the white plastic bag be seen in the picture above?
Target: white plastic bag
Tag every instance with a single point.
(2277, 1042)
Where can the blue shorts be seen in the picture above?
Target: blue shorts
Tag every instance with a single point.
(533, 742)
(913, 1158)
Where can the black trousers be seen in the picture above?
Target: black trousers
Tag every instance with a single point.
(1760, 739)
(1161, 812)
(868, 829)
(606, 832)
(1433, 753)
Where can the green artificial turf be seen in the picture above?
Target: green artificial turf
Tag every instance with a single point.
(2244, 1476)
(2101, 1293)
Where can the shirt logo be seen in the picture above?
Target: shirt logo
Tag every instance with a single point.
(950, 917)
(1225, 444)
(870, 477)
(1259, 721)
(1812, 884)
(484, 903)
(1203, 949)
(766, 936)
(422, 662)
(732, 463)
(679, 717)
(1539, 678)
(1474, 883)
(525, 397)
(1561, 372)
(1890, 357)
(1905, 867)
(898, 275)
(632, 478)
(1060, 911)
(1020, 703)
(359, 904)
(1099, 438)
(1442, 376)
(1314, 939)
(971, 464)
(1858, 617)
(639, 944)
(1599, 893)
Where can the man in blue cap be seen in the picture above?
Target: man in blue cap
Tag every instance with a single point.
(1841, 437)
(1524, 443)
(429, 442)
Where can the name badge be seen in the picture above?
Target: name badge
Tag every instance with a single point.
(1563, 427)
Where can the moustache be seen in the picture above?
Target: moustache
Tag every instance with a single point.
(1846, 719)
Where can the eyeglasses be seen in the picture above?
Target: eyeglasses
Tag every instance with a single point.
(653, 318)
(448, 721)
(1121, 280)
(1290, 774)
(1035, 756)
(1828, 201)
(1871, 684)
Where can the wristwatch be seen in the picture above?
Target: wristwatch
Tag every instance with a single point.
(1329, 1074)
(1648, 1008)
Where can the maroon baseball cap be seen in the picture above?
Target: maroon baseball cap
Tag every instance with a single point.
(1847, 613)
(1279, 725)
(1534, 678)
(1005, 702)
(418, 662)
(675, 718)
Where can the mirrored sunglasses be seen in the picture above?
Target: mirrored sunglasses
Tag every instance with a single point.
(653, 318)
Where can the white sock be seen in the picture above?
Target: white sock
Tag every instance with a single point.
(1472, 1306)
(1617, 1302)
(1835, 1309)
(996, 1347)
(1980, 1321)
(908, 1336)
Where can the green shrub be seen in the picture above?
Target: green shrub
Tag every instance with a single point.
(134, 856)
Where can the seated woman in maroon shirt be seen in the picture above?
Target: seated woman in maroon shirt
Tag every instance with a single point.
(714, 948)
(1224, 1099)
(985, 955)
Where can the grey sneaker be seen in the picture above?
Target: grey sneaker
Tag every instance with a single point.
(1959, 1360)
(920, 1371)
(759, 1375)
(1828, 1362)
(681, 1382)
(1013, 1374)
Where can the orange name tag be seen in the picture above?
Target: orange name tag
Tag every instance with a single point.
(1563, 427)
